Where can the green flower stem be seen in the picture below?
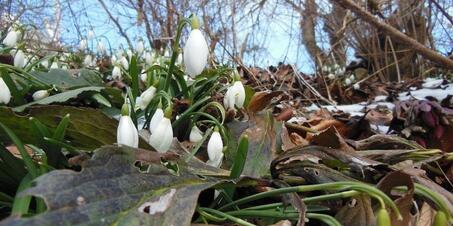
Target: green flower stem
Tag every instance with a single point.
(225, 215)
(195, 149)
(174, 56)
(336, 186)
(329, 220)
(185, 115)
(265, 214)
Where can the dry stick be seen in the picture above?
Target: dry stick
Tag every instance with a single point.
(302, 81)
(116, 23)
(421, 49)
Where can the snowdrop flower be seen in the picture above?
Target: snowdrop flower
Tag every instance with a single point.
(5, 93)
(235, 95)
(90, 35)
(331, 76)
(54, 65)
(144, 76)
(125, 63)
(195, 135)
(347, 81)
(157, 117)
(215, 150)
(129, 53)
(146, 97)
(140, 47)
(116, 73)
(101, 48)
(179, 59)
(88, 60)
(195, 51)
(356, 86)
(162, 133)
(40, 94)
(167, 53)
(162, 137)
(148, 58)
(127, 133)
(11, 39)
(324, 68)
(83, 44)
(45, 63)
(352, 78)
(113, 60)
(19, 59)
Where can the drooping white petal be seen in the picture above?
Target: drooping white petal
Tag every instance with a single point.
(347, 81)
(116, 73)
(179, 59)
(195, 135)
(195, 53)
(215, 148)
(54, 65)
(239, 94)
(83, 44)
(146, 97)
(162, 137)
(125, 63)
(148, 58)
(157, 117)
(144, 76)
(228, 99)
(90, 35)
(356, 86)
(88, 60)
(140, 47)
(19, 59)
(11, 39)
(101, 48)
(5, 93)
(127, 134)
(331, 76)
(113, 59)
(40, 94)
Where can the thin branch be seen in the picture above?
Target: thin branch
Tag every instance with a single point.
(115, 21)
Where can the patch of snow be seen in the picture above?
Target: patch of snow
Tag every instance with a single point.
(432, 83)
(380, 98)
(420, 94)
(379, 128)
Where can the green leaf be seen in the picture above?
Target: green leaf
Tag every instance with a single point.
(133, 72)
(88, 128)
(68, 79)
(110, 190)
(59, 98)
(32, 169)
(21, 204)
(101, 100)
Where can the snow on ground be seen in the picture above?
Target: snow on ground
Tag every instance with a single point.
(431, 87)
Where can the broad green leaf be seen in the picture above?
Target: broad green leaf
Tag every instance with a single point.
(59, 98)
(110, 190)
(68, 79)
(88, 128)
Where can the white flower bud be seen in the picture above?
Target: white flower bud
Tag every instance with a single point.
(101, 48)
(116, 73)
(54, 65)
(146, 97)
(5, 93)
(127, 133)
(83, 44)
(40, 94)
(140, 47)
(11, 39)
(162, 136)
(215, 150)
(195, 53)
(19, 59)
(90, 35)
(195, 135)
(331, 76)
(125, 63)
(157, 117)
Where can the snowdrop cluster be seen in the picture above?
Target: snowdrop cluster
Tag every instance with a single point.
(333, 70)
